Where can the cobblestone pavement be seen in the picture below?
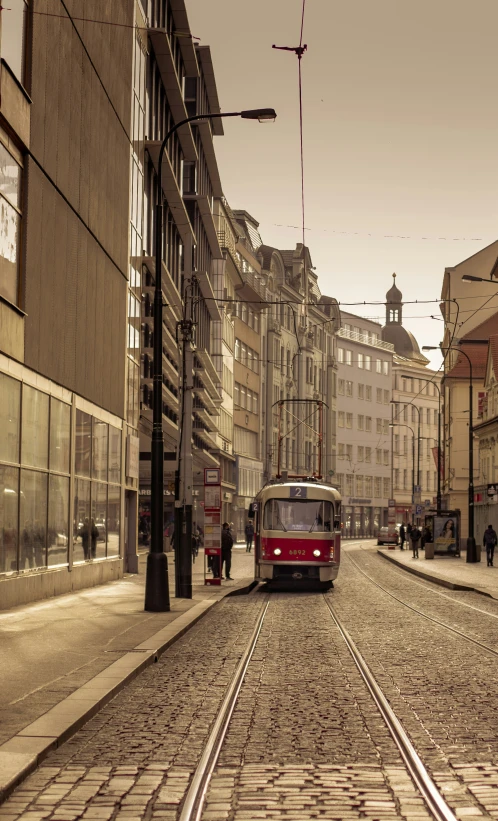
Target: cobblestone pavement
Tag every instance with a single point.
(305, 740)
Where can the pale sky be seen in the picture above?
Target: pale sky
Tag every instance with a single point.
(400, 136)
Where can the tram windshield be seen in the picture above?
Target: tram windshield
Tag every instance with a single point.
(308, 515)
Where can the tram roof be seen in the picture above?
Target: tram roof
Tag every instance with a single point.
(279, 490)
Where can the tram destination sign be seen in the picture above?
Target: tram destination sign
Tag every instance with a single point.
(298, 492)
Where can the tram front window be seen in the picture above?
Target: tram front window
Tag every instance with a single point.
(307, 515)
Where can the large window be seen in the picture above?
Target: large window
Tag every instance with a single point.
(10, 215)
(308, 515)
(35, 450)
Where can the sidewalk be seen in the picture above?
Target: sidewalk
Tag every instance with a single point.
(63, 658)
(448, 571)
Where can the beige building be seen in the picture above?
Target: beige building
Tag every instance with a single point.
(414, 414)
(365, 367)
(470, 312)
(486, 435)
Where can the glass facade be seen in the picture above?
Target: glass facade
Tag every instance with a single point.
(35, 482)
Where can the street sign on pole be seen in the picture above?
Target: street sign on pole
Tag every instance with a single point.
(418, 510)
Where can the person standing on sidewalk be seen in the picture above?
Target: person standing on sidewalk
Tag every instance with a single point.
(415, 536)
(402, 537)
(226, 550)
(489, 541)
(249, 530)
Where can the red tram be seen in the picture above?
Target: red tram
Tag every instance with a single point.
(297, 531)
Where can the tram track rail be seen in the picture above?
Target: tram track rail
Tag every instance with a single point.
(195, 799)
(196, 795)
(433, 619)
(430, 793)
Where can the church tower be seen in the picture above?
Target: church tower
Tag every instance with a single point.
(393, 331)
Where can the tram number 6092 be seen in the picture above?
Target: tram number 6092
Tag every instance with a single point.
(297, 552)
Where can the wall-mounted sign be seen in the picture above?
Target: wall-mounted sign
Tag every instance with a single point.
(212, 476)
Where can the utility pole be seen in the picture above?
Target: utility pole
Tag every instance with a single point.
(183, 504)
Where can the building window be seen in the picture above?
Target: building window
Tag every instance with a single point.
(378, 365)
(349, 452)
(368, 455)
(349, 420)
(341, 387)
(340, 419)
(340, 355)
(361, 391)
(378, 456)
(377, 487)
(386, 457)
(349, 388)
(385, 368)
(340, 450)
(10, 419)
(379, 425)
(386, 398)
(386, 488)
(368, 362)
(10, 216)
(349, 357)
(361, 453)
(349, 484)
(368, 393)
(379, 394)
(359, 485)
(361, 422)
(368, 486)
(360, 360)
(368, 423)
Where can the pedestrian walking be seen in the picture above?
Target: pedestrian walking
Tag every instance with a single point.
(415, 536)
(226, 550)
(402, 537)
(249, 530)
(489, 542)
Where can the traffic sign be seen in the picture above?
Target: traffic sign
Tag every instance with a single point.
(418, 510)
(417, 488)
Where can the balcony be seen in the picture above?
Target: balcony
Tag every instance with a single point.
(354, 336)
(171, 294)
(171, 191)
(166, 64)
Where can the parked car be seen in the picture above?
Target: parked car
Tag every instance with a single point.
(385, 537)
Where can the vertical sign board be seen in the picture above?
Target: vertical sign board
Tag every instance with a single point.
(212, 526)
(391, 519)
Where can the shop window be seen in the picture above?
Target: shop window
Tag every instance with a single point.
(60, 436)
(99, 520)
(100, 436)
(114, 454)
(58, 520)
(83, 443)
(9, 498)
(33, 520)
(10, 391)
(34, 444)
(81, 521)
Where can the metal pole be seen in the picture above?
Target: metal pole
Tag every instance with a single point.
(392, 451)
(438, 496)
(183, 542)
(471, 542)
(156, 579)
(413, 472)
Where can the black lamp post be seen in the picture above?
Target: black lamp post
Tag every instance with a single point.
(398, 402)
(471, 542)
(156, 581)
(400, 425)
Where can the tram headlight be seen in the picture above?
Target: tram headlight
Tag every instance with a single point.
(277, 551)
(331, 552)
(316, 553)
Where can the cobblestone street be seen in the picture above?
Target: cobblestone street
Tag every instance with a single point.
(305, 739)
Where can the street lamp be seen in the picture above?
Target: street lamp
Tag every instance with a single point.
(398, 402)
(438, 492)
(156, 580)
(393, 425)
(471, 542)
(470, 278)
